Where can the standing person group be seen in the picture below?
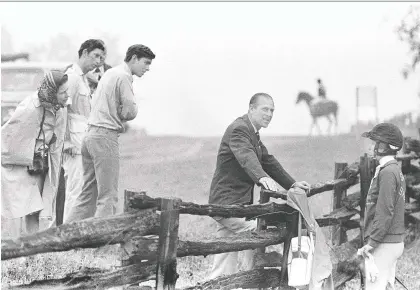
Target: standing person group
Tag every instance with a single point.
(71, 124)
(73, 121)
(112, 104)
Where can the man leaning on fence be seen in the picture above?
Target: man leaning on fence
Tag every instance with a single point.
(242, 163)
(112, 104)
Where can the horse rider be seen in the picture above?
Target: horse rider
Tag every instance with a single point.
(322, 93)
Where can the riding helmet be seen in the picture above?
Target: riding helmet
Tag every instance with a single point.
(387, 133)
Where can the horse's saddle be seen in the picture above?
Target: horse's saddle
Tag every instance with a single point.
(320, 102)
(322, 107)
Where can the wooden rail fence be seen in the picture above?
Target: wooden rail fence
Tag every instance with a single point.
(148, 233)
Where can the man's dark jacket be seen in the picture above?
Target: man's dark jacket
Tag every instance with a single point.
(241, 162)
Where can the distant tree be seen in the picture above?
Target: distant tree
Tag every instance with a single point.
(409, 32)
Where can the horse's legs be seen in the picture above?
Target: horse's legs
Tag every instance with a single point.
(329, 124)
(319, 129)
(311, 127)
(336, 123)
(315, 123)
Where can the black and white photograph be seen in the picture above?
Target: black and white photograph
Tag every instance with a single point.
(210, 145)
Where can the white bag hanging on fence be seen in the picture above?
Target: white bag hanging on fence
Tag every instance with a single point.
(300, 258)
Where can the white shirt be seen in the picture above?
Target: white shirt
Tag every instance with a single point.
(255, 129)
(79, 91)
(114, 100)
(384, 160)
(79, 108)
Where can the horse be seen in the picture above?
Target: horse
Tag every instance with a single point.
(322, 108)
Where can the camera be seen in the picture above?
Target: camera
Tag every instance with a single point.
(40, 163)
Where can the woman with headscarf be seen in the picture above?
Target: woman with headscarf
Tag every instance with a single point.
(37, 127)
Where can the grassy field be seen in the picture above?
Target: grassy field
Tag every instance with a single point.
(183, 167)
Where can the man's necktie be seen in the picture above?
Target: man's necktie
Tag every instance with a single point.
(258, 138)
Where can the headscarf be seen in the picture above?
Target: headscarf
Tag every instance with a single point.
(47, 91)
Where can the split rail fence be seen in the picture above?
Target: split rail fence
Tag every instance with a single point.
(148, 234)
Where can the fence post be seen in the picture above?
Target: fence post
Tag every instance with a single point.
(261, 225)
(128, 244)
(61, 197)
(292, 226)
(166, 274)
(366, 166)
(405, 167)
(338, 233)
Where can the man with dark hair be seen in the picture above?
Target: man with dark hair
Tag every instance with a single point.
(90, 45)
(113, 103)
(140, 51)
(91, 54)
(95, 75)
(242, 163)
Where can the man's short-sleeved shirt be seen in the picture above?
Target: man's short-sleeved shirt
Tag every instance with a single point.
(79, 91)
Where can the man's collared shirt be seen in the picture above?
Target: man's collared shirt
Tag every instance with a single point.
(255, 129)
(78, 108)
(114, 100)
(79, 91)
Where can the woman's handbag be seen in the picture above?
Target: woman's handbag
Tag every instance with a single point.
(300, 258)
(40, 161)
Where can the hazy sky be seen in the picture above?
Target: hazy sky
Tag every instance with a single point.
(212, 57)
